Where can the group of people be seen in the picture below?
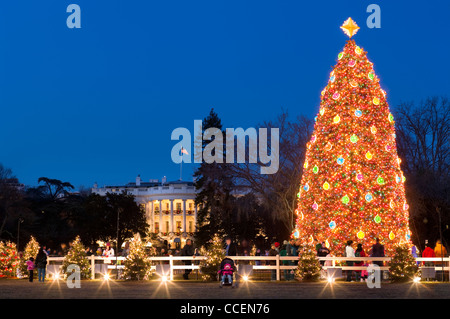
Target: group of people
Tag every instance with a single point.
(377, 250)
(438, 251)
(40, 263)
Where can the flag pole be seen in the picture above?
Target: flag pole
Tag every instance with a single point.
(181, 165)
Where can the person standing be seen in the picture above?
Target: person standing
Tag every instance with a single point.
(283, 253)
(428, 252)
(41, 264)
(414, 252)
(349, 252)
(30, 268)
(440, 251)
(258, 253)
(377, 251)
(291, 251)
(273, 252)
(230, 247)
(109, 251)
(323, 252)
(359, 252)
(188, 250)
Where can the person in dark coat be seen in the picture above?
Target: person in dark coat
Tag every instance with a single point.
(188, 250)
(41, 264)
(273, 252)
(230, 247)
(378, 251)
(323, 252)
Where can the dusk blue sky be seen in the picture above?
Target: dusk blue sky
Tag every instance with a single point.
(98, 104)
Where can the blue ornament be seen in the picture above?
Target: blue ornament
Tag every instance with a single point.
(332, 224)
(368, 197)
(306, 187)
(340, 160)
(358, 113)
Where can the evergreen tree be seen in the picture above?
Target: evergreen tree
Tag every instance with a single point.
(8, 259)
(214, 186)
(31, 250)
(308, 265)
(137, 264)
(215, 253)
(77, 255)
(352, 185)
(107, 208)
(402, 266)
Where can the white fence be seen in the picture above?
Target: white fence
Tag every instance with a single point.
(101, 265)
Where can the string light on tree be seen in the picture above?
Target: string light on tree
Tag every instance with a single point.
(31, 250)
(355, 186)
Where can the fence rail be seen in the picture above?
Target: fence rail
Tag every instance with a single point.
(100, 265)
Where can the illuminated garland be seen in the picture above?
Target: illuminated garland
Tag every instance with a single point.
(352, 186)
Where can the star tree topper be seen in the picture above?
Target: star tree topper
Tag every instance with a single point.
(350, 27)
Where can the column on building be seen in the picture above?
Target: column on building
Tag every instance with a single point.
(152, 216)
(184, 216)
(172, 227)
(195, 217)
(160, 216)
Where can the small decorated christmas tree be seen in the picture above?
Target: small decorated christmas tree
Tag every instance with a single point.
(77, 255)
(308, 265)
(402, 266)
(215, 253)
(31, 250)
(8, 259)
(137, 265)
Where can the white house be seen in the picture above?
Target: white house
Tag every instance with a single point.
(170, 206)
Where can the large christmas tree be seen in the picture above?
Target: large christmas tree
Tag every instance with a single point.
(352, 186)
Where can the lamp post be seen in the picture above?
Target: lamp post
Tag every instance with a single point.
(20, 221)
(438, 210)
(117, 240)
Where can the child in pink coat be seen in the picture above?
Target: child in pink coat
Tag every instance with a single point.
(30, 268)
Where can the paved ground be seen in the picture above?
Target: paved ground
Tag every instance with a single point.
(21, 288)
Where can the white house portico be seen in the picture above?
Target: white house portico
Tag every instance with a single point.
(169, 206)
